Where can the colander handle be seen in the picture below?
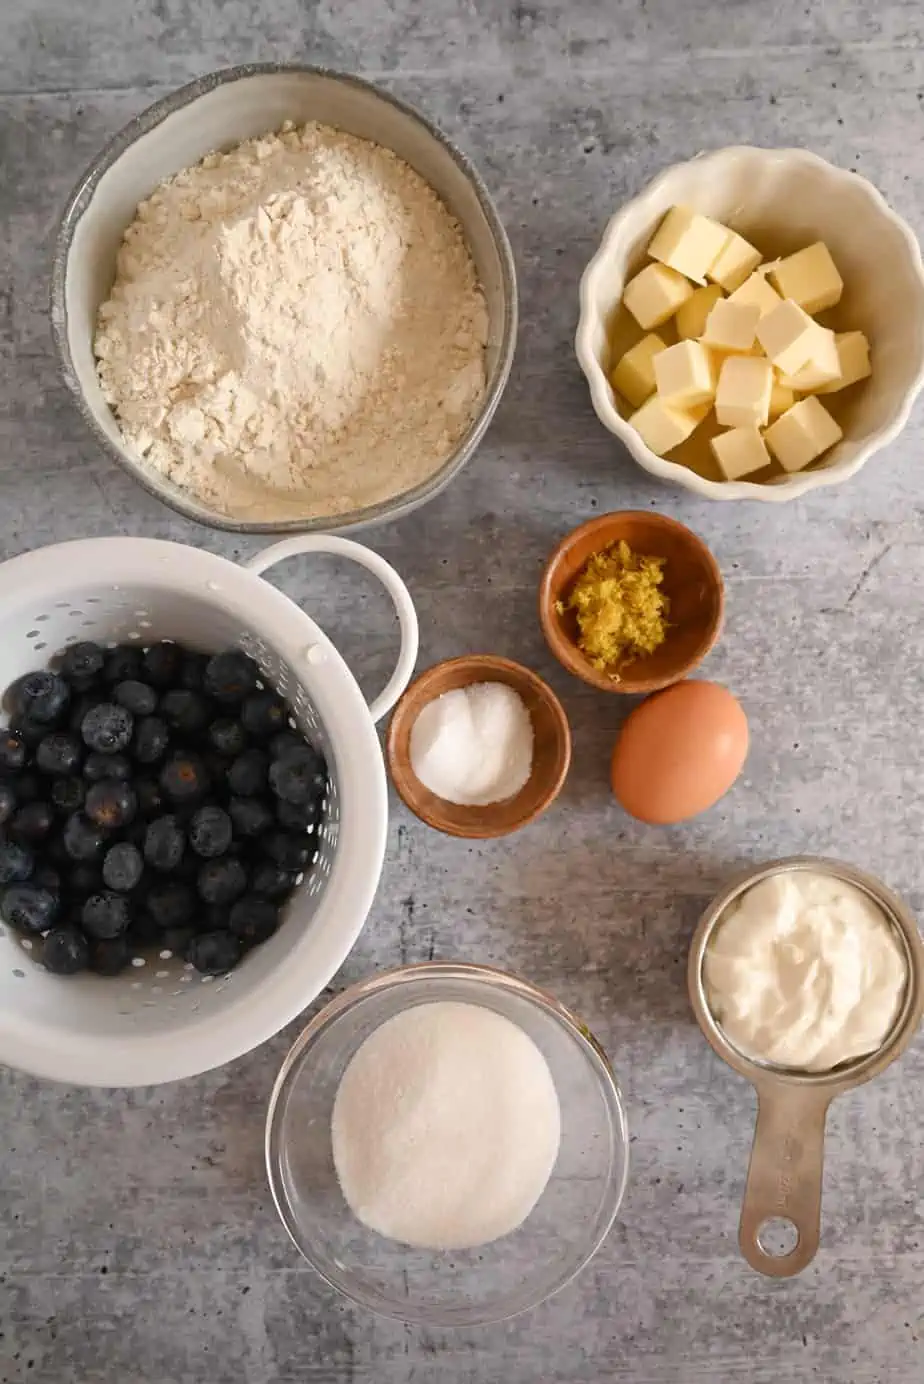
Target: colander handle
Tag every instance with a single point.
(401, 598)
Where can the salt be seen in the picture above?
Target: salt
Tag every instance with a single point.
(474, 746)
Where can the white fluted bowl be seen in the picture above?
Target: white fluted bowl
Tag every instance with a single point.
(781, 200)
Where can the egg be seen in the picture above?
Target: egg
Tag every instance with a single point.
(679, 751)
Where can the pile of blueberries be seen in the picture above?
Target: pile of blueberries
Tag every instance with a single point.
(152, 798)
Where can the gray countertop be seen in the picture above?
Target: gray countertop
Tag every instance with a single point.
(138, 1239)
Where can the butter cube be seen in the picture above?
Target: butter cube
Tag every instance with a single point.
(740, 452)
(655, 294)
(742, 398)
(820, 369)
(809, 278)
(756, 292)
(685, 374)
(781, 398)
(633, 376)
(691, 318)
(788, 335)
(737, 259)
(801, 434)
(688, 242)
(661, 426)
(731, 326)
(853, 358)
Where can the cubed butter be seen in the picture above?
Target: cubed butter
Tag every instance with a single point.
(781, 398)
(820, 369)
(757, 292)
(740, 452)
(731, 326)
(742, 397)
(655, 294)
(787, 334)
(688, 242)
(737, 259)
(801, 434)
(853, 357)
(661, 427)
(685, 374)
(809, 278)
(633, 376)
(691, 317)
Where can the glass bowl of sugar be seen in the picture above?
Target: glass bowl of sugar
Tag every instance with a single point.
(447, 1145)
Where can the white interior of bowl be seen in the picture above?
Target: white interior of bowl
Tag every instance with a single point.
(782, 199)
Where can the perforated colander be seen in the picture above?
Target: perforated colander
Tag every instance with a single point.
(160, 1020)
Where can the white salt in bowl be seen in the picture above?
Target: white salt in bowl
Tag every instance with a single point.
(460, 1287)
(781, 200)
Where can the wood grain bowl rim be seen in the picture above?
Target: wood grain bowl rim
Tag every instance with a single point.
(488, 821)
(568, 653)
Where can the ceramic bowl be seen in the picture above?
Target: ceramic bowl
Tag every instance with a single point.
(692, 583)
(551, 748)
(781, 200)
(217, 112)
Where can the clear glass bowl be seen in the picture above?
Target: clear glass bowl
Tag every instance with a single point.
(460, 1287)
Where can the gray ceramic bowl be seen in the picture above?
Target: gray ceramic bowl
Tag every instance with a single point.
(217, 112)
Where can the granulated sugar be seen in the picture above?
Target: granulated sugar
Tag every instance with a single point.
(474, 745)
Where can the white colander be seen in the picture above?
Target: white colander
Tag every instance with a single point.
(160, 1020)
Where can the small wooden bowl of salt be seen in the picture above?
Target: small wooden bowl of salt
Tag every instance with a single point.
(478, 746)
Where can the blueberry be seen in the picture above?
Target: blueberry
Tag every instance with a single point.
(111, 956)
(231, 676)
(184, 778)
(164, 844)
(16, 862)
(66, 951)
(111, 804)
(7, 801)
(271, 882)
(228, 737)
(13, 752)
(171, 903)
(152, 736)
(68, 795)
(83, 880)
(80, 706)
(123, 867)
(150, 797)
(82, 662)
(29, 785)
(264, 714)
(287, 850)
(177, 940)
(162, 664)
(40, 697)
(105, 915)
(285, 741)
(221, 881)
(210, 832)
(46, 876)
(247, 776)
(250, 816)
(253, 919)
(59, 753)
(122, 664)
(136, 697)
(299, 776)
(30, 732)
(214, 953)
(187, 712)
(83, 839)
(31, 823)
(106, 766)
(292, 817)
(192, 673)
(28, 908)
(143, 932)
(107, 728)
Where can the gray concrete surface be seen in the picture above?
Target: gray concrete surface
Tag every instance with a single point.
(138, 1240)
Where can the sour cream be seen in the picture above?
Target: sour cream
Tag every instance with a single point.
(806, 971)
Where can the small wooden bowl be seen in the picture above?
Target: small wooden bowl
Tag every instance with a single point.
(692, 584)
(551, 748)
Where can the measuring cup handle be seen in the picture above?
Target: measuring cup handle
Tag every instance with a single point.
(785, 1176)
(386, 574)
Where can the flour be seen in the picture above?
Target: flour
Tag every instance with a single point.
(295, 328)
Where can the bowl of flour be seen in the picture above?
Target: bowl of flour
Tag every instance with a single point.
(446, 1145)
(284, 301)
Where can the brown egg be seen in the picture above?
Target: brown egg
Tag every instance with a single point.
(679, 751)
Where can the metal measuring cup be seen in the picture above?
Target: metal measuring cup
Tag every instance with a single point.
(787, 1156)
